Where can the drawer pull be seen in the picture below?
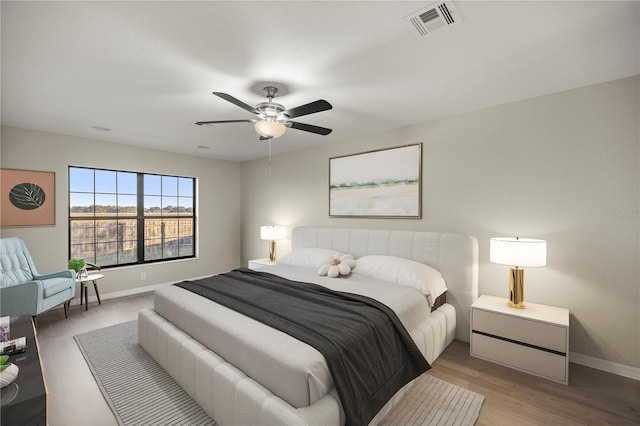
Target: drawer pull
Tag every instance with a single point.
(520, 343)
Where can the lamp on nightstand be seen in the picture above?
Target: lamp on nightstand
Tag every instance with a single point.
(517, 252)
(272, 233)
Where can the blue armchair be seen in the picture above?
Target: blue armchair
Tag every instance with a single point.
(25, 292)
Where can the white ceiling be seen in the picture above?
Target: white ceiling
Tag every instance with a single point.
(146, 69)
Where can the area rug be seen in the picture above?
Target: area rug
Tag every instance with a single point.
(140, 392)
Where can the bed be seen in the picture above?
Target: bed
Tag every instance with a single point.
(241, 371)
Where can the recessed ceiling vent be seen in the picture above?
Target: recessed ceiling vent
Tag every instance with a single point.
(431, 18)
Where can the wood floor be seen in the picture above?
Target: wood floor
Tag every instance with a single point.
(593, 397)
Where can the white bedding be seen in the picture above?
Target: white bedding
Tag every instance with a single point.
(208, 367)
(291, 369)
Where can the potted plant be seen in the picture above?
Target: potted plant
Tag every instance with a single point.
(80, 266)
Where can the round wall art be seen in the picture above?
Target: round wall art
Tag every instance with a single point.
(28, 198)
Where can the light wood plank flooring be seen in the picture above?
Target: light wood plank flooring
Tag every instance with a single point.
(593, 397)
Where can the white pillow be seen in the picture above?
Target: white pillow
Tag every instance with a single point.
(315, 257)
(404, 272)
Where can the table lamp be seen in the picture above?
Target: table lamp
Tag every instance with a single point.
(272, 233)
(517, 252)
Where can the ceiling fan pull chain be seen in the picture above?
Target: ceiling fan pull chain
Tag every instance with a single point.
(270, 139)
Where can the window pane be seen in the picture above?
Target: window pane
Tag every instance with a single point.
(170, 241)
(152, 185)
(185, 187)
(85, 251)
(80, 204)
(169, 205)
(80, 180)
(152, 229)
(152, 206)
(106, 181)
(186, 237)
(127, 205)
(185, 206)
(128, 241)
(82, 231)
(127, 183)
(106, 204)
(107, 253)
(169, 185)
(106, 231)
(152, 249)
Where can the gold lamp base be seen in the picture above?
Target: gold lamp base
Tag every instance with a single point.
(516, 288)
(272, 251)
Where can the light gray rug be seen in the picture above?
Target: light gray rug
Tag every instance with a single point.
(140, 392)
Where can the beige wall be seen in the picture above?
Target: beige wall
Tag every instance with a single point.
(218, 186)
(562, 167)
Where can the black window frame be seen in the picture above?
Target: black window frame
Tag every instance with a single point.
(139, 217)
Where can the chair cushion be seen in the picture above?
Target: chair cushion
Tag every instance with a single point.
(14, 266)
(56, 285)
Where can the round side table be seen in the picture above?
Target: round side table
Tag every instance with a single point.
(84, 281)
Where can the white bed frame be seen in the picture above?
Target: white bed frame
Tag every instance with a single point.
(231, 397)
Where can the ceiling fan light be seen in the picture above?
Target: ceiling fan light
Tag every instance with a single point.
(270, 129)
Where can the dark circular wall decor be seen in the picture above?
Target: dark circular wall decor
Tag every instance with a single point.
(27, 196)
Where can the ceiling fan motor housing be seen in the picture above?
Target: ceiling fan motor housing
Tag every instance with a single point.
(271, 111)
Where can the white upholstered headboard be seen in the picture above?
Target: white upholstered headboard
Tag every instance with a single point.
(454, 255)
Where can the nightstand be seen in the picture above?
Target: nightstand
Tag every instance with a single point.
(256, 264)
(534, 340)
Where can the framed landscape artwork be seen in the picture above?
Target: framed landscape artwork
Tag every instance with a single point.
(385, 183)
(28, 198)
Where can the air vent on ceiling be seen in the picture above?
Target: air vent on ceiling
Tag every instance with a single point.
(431, 18)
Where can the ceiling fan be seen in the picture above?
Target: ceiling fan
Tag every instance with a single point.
(272, 118)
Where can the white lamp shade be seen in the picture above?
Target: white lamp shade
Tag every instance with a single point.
(272, 232)
(270, 129)
(525, 252)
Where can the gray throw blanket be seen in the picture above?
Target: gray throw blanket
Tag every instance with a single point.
(368, 351)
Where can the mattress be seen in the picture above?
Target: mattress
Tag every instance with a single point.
(291, 369)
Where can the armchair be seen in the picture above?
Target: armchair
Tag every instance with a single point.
(25, 292)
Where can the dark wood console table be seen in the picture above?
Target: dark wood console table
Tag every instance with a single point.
(24, 402)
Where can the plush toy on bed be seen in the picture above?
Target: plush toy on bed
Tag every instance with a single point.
(339, 266)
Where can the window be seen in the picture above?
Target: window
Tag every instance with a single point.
(124, 218)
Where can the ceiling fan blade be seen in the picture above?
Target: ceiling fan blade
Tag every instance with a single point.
(310, 108)
(202, 123)
(309, 128)
(236, 102)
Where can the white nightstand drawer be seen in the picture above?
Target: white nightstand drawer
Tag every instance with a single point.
(535, 333)
(540, 363)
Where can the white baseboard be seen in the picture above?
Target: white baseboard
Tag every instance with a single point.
(604, 365)
(133, 291)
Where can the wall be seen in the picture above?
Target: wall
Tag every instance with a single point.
(562, 167)
(219, 224)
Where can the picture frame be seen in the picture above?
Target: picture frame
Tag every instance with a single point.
(382, 183)
(28, 198)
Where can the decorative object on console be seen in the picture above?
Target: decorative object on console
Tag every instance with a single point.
(517, 252)
(5, 328)
(8, 371)
(272, 233)
(339, 266)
